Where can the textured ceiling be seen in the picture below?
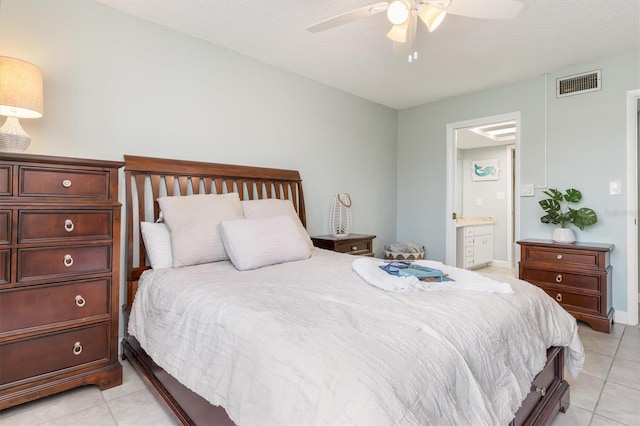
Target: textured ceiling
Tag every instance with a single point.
(463, 55)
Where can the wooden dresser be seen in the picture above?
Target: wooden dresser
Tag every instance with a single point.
(577, 275)
(357, 244)
(59, 275)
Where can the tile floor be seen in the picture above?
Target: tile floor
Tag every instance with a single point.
(606, 393)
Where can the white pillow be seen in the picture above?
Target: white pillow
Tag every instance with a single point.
(254, 243)
(157, 241)
(193, 222)
(270, 207)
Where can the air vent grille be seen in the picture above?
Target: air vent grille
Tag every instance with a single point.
(576, 84)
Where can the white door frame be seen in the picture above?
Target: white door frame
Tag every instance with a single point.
(632, 209)
(451, 179)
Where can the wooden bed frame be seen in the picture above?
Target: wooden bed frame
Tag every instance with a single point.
(147, 178)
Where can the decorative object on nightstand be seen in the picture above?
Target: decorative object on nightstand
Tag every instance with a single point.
(340, 218)
(20, 97)
(558, 212)
(577, 276)
(357, 244)
(59, 275)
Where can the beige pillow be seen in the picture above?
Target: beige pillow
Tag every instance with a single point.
(270, 207)
(193, 222)
(254, 243)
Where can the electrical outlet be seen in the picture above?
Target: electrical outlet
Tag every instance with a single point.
(527, 190)
(615, 187)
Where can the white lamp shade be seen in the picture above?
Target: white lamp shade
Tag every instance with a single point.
(20, 89)
(398, 12)
(432, 16)
(398, 33)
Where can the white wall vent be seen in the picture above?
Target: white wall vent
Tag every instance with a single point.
(577, 84)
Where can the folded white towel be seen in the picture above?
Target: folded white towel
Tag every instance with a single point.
(369, 270)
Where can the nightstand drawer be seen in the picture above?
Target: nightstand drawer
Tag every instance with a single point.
(36, 356)
(574, 301)
(562, 256)
(47, 182)
(5, 180)
(5, 266)
(53, 303)
(353, 247)
(43, 225)
(561, 278)
(59, 262)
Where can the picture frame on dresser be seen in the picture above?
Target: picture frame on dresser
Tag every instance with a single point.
(59, 275)
(576, 275)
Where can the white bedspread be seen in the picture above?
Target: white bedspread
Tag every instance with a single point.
(309, 342)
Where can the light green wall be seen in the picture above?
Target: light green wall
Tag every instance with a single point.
(586, 149)
(115, 85)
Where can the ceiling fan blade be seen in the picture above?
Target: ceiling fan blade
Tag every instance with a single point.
(484, 9)
(350, 16)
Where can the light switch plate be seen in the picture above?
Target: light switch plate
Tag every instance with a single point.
(615, 187)
(527, 190)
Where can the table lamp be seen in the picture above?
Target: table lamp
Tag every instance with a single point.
(20, 97)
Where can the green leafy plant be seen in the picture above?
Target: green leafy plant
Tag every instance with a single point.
(559, 212)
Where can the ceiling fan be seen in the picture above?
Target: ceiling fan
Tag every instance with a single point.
(403, 14)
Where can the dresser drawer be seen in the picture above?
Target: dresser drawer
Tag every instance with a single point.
(562, 256)
(5, 227)
(45, 225)
(5, 266)
(44, 182)
(575, 301)
(5, 180)
(53, 304)
(58, 262)
(561, 278)
(36, 356)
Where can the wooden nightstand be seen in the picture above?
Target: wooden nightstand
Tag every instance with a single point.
(357, 244)
(577, 275)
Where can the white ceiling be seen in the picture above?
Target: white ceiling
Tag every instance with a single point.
(463, 55)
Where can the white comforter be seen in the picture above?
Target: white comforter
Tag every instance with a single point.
(309, 342)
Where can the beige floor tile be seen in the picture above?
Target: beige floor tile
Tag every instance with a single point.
(632, 333)
(52, 407)
(620, 403)
(626, 373)
(131, 382)
(139, 408)
(629, 350)
(603, 421)
(585, 391)
(596, 364)
(94, 416)
(574, 416)
(596, 341)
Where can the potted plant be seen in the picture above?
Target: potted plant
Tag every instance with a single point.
(558, 211)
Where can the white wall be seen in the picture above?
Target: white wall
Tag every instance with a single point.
(115, 84)
(586, 149)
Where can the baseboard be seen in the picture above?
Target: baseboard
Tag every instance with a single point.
(499, 264)
(621, 317)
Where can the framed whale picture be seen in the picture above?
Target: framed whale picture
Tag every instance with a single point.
(485, 170)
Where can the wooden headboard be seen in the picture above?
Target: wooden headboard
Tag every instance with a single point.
(147, 178)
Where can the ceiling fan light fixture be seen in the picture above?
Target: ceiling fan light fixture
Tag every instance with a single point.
(398, 12)
(398, 33)
(432, 17)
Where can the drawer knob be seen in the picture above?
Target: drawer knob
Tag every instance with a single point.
(77, 348)
(354, 248)
(559, 297)
(559, 257)
(541, 391)
(68, 260)
(66, 183)
(559, 278)
(68, 225)
(80, 302)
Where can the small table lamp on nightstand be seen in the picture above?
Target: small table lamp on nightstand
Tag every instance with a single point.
(20, 97)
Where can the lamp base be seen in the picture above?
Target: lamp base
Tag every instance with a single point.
(12, 137)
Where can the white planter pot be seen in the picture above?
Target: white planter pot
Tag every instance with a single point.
(563, 235)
